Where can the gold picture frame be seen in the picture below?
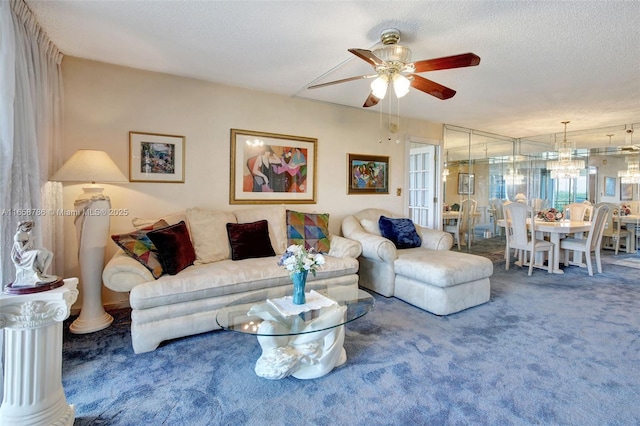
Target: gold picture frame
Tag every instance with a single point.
(367, 174)
(156, 157)
(271, 168)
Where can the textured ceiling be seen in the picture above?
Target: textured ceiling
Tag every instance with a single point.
(543, 62)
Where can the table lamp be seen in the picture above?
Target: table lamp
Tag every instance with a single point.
(92, 217)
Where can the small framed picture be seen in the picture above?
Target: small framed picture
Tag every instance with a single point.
(367, 174)
(466, 183)
(626, 191)
(609, 186)
(154, 157)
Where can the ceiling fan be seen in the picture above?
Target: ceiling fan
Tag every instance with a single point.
(392, 63)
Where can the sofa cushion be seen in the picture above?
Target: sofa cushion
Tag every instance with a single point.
(370, 226)
(401, 232)
(310, 230)
(276, 216)
(209, 234)
(171, 219)
(441, 268)
(138, 245)
(249, 240)
(174, 246)
(226, 277)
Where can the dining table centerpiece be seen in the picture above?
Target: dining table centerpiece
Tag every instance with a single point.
(299, 261)
(550, 215)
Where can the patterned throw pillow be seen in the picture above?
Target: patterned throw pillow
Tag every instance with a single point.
(308, 229)
(138, 245)
(401, 232)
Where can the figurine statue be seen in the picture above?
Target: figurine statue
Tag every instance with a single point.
(31, 263)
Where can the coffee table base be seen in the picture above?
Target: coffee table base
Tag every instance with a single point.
(304, 356)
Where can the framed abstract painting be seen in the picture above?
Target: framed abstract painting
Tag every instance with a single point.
(367, 174)
(270, 168)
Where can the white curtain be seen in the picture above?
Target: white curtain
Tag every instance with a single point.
(30, 133)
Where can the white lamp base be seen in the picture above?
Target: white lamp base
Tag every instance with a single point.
(93, 321)
(92, 227)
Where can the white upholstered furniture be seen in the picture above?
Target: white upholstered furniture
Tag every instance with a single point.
(590, 244)
(187, 303)
(521, 236)
(431, 277)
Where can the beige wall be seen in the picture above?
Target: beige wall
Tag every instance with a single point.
(104, 102)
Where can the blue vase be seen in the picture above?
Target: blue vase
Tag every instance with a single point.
(299, 281)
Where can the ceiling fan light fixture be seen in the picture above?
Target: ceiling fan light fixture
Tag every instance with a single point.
(401, 85)
(379, 86)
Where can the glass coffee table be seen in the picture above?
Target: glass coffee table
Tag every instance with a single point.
(303, 341)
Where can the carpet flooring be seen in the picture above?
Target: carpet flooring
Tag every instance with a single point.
(546, 349)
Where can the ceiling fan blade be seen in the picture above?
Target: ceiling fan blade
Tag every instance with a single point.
(368, 56)
(371, 101)
(447, 62)
(431, 87)
(344, 80)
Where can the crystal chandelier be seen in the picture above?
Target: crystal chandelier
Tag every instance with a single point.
(565, 167)
(632, 174)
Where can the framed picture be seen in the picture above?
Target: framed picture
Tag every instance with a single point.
(466, 183)
(609, 186)
(367, 174)
(268, 168)
(154, 157)
(626, 191)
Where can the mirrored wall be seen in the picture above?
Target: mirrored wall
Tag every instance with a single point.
(484, 169)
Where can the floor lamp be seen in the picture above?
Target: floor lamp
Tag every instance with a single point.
(92, 230)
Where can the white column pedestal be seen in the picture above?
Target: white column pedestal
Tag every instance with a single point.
(32, 323)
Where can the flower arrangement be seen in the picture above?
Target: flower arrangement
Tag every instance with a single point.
(297, 259)
(550, 215)
(625, 210)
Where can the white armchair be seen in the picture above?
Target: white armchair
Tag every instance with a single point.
(431, 277)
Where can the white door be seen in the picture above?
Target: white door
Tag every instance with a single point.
(422, 168)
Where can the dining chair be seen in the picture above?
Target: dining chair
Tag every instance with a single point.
(575, 211)
(473, 208)
(460, 229)
(592, 243)
(614, 231)
(497, 213)
(522, 236)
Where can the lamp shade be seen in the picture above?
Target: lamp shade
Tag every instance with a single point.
(88, 165)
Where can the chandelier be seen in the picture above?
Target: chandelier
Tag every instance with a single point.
(565, 167)
(632, 174)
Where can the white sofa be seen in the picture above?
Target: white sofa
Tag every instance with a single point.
(431, 277)
(179, 305)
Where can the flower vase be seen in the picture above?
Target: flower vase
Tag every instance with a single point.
(299, 281)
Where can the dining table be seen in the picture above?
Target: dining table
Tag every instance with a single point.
(632, 221)
(556, 231)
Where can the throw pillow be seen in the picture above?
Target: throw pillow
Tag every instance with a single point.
(249, 240)
(138, 245)
(276, 218)
(209, 234)
(174, 246)
(370, 226)
(401, 232)
(310, 230)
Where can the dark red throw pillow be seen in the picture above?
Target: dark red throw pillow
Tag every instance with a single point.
(249, 240)
(174, 247)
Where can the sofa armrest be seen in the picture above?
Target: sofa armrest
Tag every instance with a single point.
(373, 246)
(434, 239)
(122, 273)
(344, 247)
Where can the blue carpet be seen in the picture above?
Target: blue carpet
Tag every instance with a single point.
(559, 349)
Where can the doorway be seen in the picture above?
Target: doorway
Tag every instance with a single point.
(423, 188)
